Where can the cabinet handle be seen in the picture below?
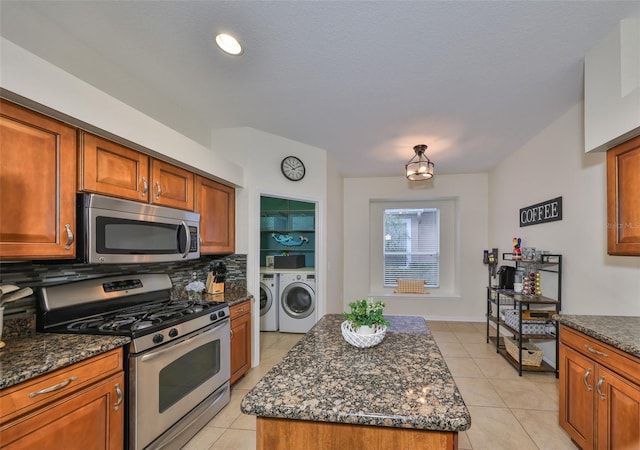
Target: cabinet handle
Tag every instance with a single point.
(599, 387)
(54, 387)
(158, 190)
(586, 379)
(70, 236)
(231, 333)
(145, 186)
(116, 406)
(596, 352)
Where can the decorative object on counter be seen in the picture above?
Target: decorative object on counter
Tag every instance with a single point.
(195, 288)
(10, 293)
(517, 252)
(365, 325)
(420, 166)
(288, 240)
(362, 340)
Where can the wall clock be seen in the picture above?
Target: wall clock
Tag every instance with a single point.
(292, 168)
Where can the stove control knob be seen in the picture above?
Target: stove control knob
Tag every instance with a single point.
(173, 332)
(222, 314)
(213, 316)
(158, 338)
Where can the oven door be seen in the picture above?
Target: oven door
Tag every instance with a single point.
(169, 381)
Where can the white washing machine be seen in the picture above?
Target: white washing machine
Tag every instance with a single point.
(269, 301)
(297, 302)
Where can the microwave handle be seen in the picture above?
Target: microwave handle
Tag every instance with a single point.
(184, 226)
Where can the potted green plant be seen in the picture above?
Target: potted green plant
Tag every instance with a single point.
(366, 316)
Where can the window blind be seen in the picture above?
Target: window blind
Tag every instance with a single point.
(412, 245)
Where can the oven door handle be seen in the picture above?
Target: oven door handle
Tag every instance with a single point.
(189, 341)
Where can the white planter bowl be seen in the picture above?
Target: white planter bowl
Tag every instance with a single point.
(363, 340)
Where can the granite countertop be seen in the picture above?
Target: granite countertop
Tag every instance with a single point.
(403, 382)
(32, 354)
(621, 332)
(23, 358)
(231, 296)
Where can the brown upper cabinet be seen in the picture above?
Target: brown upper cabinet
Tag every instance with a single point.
(112, 169)
(623, 199)
(37, 185)
(217, 207)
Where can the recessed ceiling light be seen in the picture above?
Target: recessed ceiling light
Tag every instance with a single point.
(228, 44)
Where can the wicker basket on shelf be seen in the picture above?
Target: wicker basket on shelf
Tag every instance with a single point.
(531, 354)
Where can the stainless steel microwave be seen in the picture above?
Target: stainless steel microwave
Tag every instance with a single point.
(115, 231)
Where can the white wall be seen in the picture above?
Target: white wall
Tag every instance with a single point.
(554, 164)
(33, 78)
(334, 238)
(470, 191)
(260, 154)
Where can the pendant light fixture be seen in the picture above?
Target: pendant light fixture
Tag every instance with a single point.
(419, 167)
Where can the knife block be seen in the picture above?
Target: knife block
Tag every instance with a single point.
(213, 288)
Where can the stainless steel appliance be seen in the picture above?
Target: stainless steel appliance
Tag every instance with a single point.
(178, 363)
(115, 231)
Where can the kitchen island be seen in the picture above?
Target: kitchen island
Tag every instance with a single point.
(327, 394)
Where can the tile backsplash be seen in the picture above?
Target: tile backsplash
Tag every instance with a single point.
(37, 275)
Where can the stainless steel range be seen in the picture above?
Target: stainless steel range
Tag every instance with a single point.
(178, 363)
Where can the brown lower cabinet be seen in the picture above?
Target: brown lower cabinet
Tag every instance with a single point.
(599, 393)
(240, 339)
(78, 407)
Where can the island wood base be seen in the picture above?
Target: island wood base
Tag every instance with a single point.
(285, 434)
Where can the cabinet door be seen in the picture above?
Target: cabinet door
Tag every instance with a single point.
(240, 346)
(216, 204)
(112, 169)
(623, 199)
(577, 386)
(171, 185)
(93, 418)
(37, 185)
(618, 401)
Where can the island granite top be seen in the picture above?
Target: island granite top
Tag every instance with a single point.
(28, 357)
(621, 332)
(403, 382)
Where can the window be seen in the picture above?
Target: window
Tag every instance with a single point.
(411, 245)
(442, 215)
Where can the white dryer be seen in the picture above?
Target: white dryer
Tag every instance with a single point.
(297, 302)
(269, 302)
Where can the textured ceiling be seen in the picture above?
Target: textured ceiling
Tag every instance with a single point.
(364, 80)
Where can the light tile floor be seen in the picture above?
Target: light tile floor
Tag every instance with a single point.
(508, 412)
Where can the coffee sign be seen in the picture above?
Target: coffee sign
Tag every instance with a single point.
(548, 211)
